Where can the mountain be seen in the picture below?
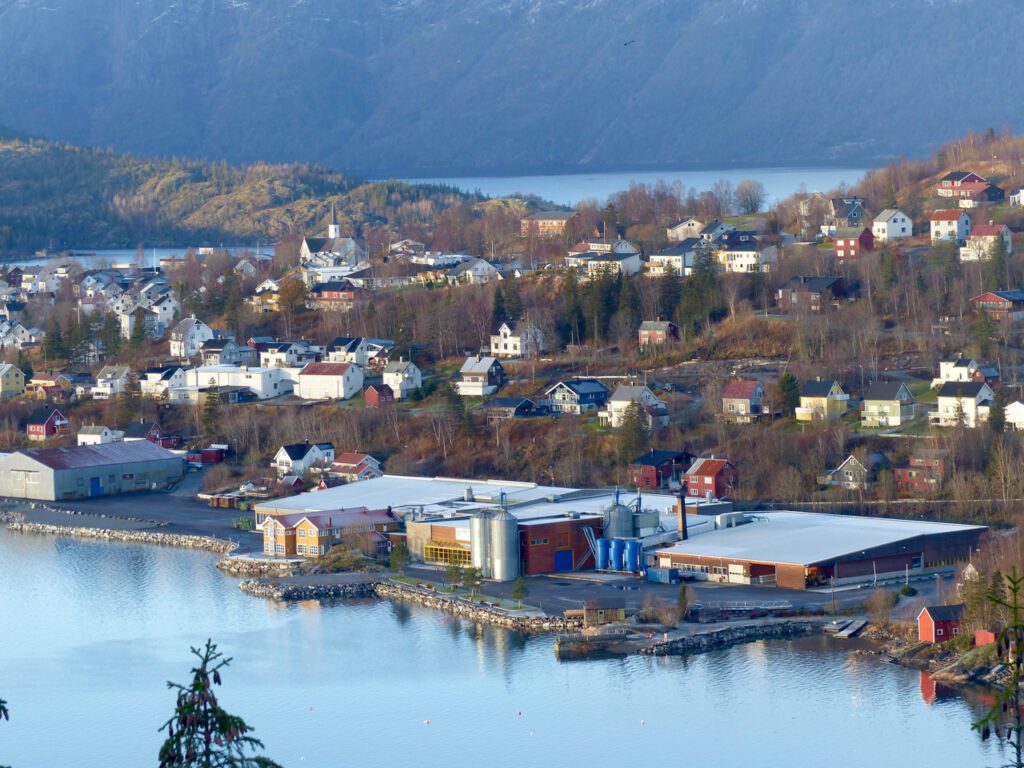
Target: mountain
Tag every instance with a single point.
(66, 196)
(421, 87)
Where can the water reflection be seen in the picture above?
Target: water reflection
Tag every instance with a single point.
(110, 623)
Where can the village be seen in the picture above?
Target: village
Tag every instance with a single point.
(750, 406)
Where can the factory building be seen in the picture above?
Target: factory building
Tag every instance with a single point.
(54, 474)
(802, 550)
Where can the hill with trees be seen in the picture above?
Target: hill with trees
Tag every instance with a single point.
(59, 196)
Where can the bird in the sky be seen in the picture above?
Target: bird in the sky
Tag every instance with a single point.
(628, 43)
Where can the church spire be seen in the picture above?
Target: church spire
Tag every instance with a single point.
(333, 230)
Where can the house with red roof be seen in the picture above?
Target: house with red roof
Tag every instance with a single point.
(352, 467)
(743, 401)
(950, 224)
(983, 241)
(717, 477)
(330, 381)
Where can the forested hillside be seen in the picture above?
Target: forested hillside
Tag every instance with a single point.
(58, 196)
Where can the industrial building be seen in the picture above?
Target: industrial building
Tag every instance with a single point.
(509, 529)
(801, 550)
(53, 474)
(503, 528)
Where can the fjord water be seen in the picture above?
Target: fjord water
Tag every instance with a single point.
(571, 188)
(91, 631)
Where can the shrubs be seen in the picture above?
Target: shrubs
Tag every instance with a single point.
(908, 591)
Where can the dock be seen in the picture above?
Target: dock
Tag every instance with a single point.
(851, 629)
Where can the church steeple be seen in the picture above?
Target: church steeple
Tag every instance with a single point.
(333, 230)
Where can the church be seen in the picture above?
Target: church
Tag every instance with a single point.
(333, 250)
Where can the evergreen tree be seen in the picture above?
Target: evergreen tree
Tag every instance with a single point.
(53, 342)
(25, 365)
(110, 335)
(129, 401)
(787, 392)
(513, 301)
(997, 270)
(981, 330)
(211, 412)
(670, 293)
(201, 734)
(634, 434)
(399, 558)
(997, 413)
(498, 313)
(472, 579)
(572, 324)
(138, 338)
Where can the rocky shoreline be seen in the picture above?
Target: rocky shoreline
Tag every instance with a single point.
(235, 566)
(729, 636)
(206, 543)
(292, 592)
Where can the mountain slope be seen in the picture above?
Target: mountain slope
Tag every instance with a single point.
(441, 86)
(67, 196)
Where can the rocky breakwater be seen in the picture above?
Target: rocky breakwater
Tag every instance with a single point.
(476, 612)
(249, 567)
(290, 592)
(134, 537)
(729, 636)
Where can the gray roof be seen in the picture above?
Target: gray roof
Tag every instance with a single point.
(817, 388)
(810, 283)
(478, 364)
(656, 325)
(629, 392)
(961, 388)
(888, 390)
(93, 429)
(580, 386)
(887, 214)
(399, 366)
(98, 455)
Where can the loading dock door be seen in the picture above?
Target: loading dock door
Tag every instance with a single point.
(95, 488)
(563, 560)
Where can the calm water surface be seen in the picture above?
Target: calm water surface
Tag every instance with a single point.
(569, 189)
(90, 632)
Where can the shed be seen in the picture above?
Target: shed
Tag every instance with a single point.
(604, 610)
(939, 623)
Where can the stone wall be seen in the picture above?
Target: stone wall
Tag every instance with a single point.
(289, 592)
(234, 566)
(728, 636)
(135, 537)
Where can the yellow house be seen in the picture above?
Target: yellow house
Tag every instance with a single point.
(311, 535)
(12, 381)
(821, 400)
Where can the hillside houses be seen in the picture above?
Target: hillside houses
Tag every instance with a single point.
(523, 340)
(821, 400)
(577, 396)
(962, 404)
(950, 225)
(330, 381)
(890, 225)
(614, 413)
(743, 401)
(809, 293)
(402, 377)
(887, 404)
(480, 376)
(984, 240)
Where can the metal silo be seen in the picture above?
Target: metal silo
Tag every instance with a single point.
(504, 546)
(602, 555)
(618, 522)
(632, 560)
(615, 552)
(479, 543)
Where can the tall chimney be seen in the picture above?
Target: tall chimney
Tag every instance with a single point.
(681, 518)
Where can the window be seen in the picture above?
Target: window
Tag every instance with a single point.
(302, 533)
(938, 632)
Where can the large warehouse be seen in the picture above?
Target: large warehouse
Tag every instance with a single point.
(798, 550)
(53, 474)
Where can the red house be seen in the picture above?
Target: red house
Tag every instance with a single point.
(46, 422)
(378, 395)
(658, 469)
(922, 474)
(151, 431)
(852, 242)
(939, 623)
(715, 476)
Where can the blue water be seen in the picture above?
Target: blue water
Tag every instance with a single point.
(91, 631)
(570, 189)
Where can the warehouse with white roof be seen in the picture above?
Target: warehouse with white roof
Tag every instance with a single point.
(799, 550)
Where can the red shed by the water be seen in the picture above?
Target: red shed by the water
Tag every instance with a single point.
(939, 623)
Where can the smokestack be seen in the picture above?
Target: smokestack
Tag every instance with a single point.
(681, 518)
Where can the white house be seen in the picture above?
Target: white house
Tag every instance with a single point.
(951, 225)
(264, 383)
(684, 230)
(613, 261)
(188, 336)
(154, 382)
(110, 381)
(1015, 415)
(403, 377)
(678, 259)
(353, 467)
(300, 458)
(615, 411)
(99, 435)
(480, 376)
(474, 271)
(287, 354)
(983, 239)
(957, 368)
(349, 349)
(965, 403)
(527, 339)
(891, 224)
(1017, 197)
(747, 256)
(330, 381)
